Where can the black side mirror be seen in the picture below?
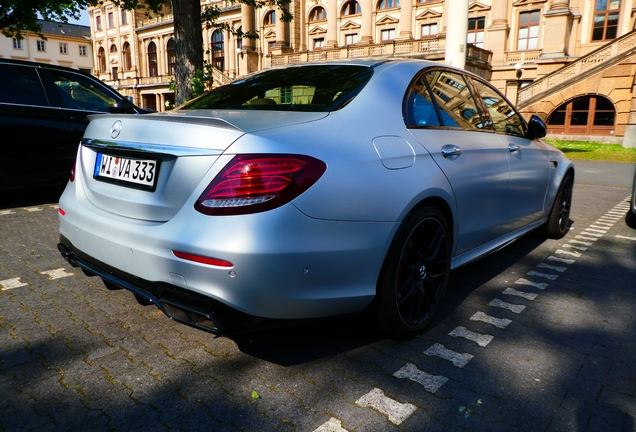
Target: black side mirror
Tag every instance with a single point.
(123, 107)
(536, 127)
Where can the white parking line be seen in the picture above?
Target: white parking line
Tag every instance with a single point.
(396, 412)
(543, 275)
(581, 248)
(8, 284)
(458, 359)
(566, 261)
(431, 383)
(509, 306)
(480, 339)
(551, 267)
(625, 237)
(585, 238)
(56, 274)
(525, 295)
(562, 252)
(6, 212)
(592, 233)
(333, 425)
(32, 209)
(501, 323)
(540, 285)
(580, 242)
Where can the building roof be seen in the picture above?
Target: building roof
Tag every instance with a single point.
(67, 30)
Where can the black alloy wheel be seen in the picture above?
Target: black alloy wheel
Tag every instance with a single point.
(559, 219)
(415, 274)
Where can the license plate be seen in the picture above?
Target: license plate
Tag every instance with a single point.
(140, 173)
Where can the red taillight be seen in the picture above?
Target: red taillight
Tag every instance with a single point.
(62, 212)
(257, 183)
(71, 177)
(202, 259)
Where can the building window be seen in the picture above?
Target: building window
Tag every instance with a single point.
(476, 31)
(388, 4)
(83, 51)
(153, 70)
(124, 17)
(270, 46)
(318, 14)
(127, 56)
(351, 8)
(113, 48)
(218, 50)
(63, 48)
(319, 43)
(98, 23)
(17, 44)
(528, 37)
(606, 19)
(115, 75)
(101, 59)
(270, 18)
(587, 115)
(41, 46)
(111, 20)
(387, 35)
(429, 30)
(171, 53)
(351, 39)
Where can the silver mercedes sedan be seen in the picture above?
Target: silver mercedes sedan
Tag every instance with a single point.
(310, 191)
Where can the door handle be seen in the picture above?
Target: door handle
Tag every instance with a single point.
(451, 150)
(514, 148)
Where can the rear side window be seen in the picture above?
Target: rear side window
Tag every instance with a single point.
(317, 88)
(505, 119)
(458, 109)
(21, 85)
(76, 91)
(420, 109)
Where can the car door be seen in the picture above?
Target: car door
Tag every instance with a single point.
(528, 159)
(468, 152)
(36, 146)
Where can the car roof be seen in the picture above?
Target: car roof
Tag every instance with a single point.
(40, 65)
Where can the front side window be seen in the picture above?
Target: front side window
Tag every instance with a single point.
(476, 31)
(504, 118)
(306, 88)
(429, 30)
(351, 8)
(76, 91)
(41, 45)
(528, 36)
(606, 14)
(458, 109)
(153, 70)
(21, 85)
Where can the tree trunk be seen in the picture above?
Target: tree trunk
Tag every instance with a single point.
(188, 35)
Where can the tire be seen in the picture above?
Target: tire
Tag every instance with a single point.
(559, 219)
(415, 274)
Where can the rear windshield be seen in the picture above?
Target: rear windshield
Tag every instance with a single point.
(304, 88)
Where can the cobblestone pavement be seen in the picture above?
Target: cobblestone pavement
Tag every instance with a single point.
(539, 336)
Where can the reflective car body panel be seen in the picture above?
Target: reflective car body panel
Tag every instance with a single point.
(320, 253)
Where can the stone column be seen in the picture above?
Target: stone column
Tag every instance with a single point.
(405, 25)
(498, 32)
(558, 20)
(332, 24)
(456, 33)
(629, 139)
(247, 22)
(281, 31)
(366, 30)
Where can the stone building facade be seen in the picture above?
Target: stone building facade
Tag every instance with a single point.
(572, 62)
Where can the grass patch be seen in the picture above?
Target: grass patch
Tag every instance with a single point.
(593, 151)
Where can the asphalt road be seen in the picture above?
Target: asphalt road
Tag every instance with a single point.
(540, 336)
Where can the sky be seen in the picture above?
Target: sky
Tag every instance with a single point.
(83, 19)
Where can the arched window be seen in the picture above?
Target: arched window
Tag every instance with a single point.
(318, 14)
(586, 115)
(270, 18)
(152, 60)
(171, 54)
(101, 59)
(127, 56)
(113, 48)
(388, 4)
(351, 7)
(218, 55)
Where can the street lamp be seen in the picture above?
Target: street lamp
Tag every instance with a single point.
(518, 74)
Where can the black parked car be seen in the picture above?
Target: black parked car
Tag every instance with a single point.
(43, 115)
